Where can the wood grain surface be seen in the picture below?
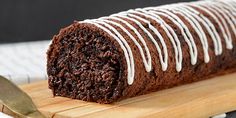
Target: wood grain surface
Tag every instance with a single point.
(196, 100)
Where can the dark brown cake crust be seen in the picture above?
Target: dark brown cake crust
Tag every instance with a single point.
(86, 63)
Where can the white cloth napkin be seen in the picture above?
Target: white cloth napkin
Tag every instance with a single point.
(24, 62)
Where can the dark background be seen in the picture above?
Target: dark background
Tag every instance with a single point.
(30, 20)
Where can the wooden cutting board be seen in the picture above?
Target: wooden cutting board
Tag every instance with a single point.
(197, 100)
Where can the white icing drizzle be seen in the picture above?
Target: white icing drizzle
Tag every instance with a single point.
(229, 17)
(124, 46)
(184, 30)
(223, 20)
(228, 4)
(198, 28)
(147, 64)
(227, 36)
(169, 31)
(201, 20)
(227, 12)
(210, 27)
(163, 61)
(222, 12)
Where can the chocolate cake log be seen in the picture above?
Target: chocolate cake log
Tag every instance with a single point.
(143, 50)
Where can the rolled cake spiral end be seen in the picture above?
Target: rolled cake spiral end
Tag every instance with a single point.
(84, 65)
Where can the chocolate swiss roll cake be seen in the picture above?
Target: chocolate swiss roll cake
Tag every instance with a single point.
(143, 50)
